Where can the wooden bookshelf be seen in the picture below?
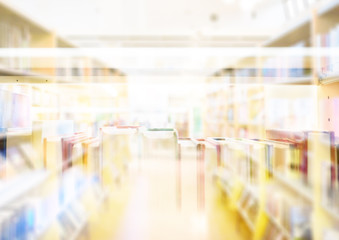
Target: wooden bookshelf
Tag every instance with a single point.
(325, 19)
(321, 89)
(39, 36)
(48, 82)
(299, 29)
(50, 70)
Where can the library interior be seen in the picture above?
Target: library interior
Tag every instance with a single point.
(157, 119)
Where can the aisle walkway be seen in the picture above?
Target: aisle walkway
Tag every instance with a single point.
(152, 212)
(145, 207)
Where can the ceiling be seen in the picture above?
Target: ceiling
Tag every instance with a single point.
(107, 19)
(159, 24)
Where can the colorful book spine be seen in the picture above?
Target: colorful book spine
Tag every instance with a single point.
(3, 154)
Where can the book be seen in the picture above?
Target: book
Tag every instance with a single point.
(298, 164)
(328, 65)
(68, 144)
(288, 212)
(3, 154)
(320, 147)
(15, 35)
(52, 153)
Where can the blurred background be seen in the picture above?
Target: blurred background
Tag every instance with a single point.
(144, 119)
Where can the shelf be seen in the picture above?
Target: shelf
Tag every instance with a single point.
(225, 187)
(85, 222)
(330, 78)
(222, 176)
(299, 30)
(278, 225)
(63, 209)
(333, 213)
(247, 220)
(44, 110)
(254, 190)
(329, 8)
(296, 186)
(19, 73)
(252, 123)
(64, 43)
(41, 37)
(79, 230)
(288, 80)
(7, 9)
(257, 97)
(13, 189)
(272, 80)
(80, 191)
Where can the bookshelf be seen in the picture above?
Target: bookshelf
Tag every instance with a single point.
(235, 112)
(34, 176)
(20, 31)
(267, 193)
(326, 22)
(313, 78)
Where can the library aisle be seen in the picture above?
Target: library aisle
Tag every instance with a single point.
(158, 119)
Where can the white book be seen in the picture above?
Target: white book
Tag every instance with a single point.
(332, 40)
(319, 150)
(336, 44)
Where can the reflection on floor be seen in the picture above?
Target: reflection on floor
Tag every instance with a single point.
(144, 206)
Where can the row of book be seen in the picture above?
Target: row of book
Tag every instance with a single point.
(239, 158)
(294, 153)
(290, 155)
(70, 67)
(19, 35)
(30, 207)
(20, 220)
(31, 216)
(15, 35)
(328, 65)
(67, 151)
(289, 213)
(14, 110)
(43, 147)
(289, 162)
(16, 155)
(287, 67)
